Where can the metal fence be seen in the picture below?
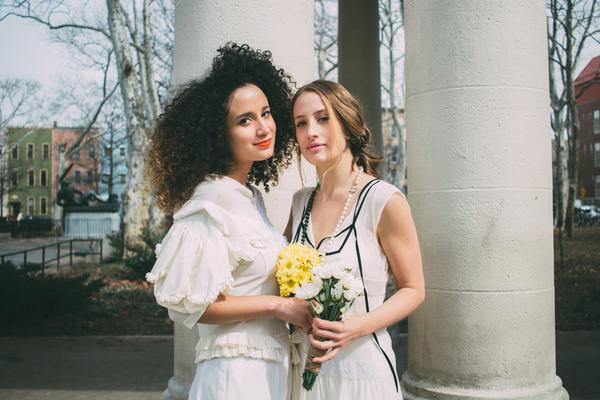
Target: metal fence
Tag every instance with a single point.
(54, 252)
(90, 225)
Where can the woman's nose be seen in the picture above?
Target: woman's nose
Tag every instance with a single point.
(263, 127)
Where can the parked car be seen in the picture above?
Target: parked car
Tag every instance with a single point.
(587, 215)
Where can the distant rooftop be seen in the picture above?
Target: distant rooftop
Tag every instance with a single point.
(590, 72)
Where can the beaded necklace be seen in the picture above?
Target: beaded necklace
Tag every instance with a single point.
(329, 239)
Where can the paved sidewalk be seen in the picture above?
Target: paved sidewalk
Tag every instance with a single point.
(138, 367)
(85, 368)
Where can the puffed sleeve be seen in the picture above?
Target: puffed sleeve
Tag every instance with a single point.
(193, 267)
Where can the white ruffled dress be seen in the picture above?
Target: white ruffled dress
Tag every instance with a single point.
(221, 241)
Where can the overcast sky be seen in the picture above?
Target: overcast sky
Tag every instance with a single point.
(27, 52)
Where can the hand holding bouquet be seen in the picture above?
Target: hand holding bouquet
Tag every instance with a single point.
(331, 293)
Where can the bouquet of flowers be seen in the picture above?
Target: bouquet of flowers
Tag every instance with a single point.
(330, 292)
(294, 267)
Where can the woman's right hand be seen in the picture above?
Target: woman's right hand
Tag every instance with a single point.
(295, 311)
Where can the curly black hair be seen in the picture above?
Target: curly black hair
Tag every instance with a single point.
(190, 142)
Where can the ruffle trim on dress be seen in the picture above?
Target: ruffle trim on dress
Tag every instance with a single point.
(239, 344)
(197, 299)
(192, 268)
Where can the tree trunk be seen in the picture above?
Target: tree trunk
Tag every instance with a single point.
(137, 200)
(152, 91)
(572, 119)
(572, 168)
(111, 161)
(60, 168)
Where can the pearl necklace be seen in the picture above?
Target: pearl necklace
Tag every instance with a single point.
(329, 239)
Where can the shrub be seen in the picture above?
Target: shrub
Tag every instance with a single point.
(143, 257)
(34, 299)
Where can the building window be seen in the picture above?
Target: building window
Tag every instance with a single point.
(596, 154)
(30, 206)
(122, 180)
(30, 151)
(31, 177)
(45, 151)
(77, 177)
(43, 206)
(90, 177)
(597, 194)
(108, 151)
(14, 177)
(76, 155)
(122, 151)
(15, 152)
(43, 177)
(596, 121)
(91, 150)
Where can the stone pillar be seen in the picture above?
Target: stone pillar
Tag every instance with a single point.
(480, 186)
(358, 59)
(284, 28)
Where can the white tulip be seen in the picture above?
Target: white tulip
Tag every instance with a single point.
(323, 271)
(353, 287)
(307, 291)
(339, 272)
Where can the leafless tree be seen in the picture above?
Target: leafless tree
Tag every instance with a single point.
(119, 40)
(570, 24)
(326, 38)
(391, 17)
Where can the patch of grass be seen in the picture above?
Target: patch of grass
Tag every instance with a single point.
(49, 303)
(577, 281)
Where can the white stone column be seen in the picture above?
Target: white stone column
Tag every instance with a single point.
(480, 186)
(283, 27)
(358, 59)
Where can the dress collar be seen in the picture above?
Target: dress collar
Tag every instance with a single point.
(222, 183)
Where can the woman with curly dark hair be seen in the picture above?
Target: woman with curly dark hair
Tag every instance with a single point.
(214, 268)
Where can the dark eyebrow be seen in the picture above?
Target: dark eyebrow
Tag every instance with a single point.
(245, 115)
(316, 112)
(250, 113)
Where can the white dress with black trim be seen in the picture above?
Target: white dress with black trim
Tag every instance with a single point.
(366, 368)
(221, 241)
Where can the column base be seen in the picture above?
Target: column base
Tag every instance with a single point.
(413, 389)
(176, 390)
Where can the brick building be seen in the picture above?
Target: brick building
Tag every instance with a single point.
(29, 171)
(32, 168)
(84, 174)
(587, 89)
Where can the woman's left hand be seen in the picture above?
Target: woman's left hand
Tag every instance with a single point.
(334, 336)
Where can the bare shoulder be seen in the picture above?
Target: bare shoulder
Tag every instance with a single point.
(396, 215)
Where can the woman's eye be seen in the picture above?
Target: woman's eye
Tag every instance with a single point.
(323, 118)
(267, 114)
(300, 124)
(244, 121)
